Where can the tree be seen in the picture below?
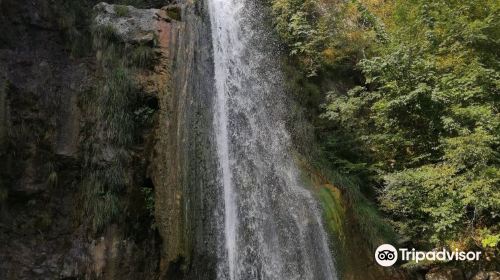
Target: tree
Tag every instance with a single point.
(428, 117)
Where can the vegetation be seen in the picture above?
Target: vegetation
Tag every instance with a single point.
(121, 10)
(328, 33)
(106, 179)
(421, 123)
(53, 177)
(118, 113)
(370, 224)
(150, 200)
(143, 56)
(74, 20)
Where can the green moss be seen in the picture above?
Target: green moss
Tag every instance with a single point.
(374, 229)
(334, 218)
(353, 224)
(102, 190)
(52, 177)
(103, 208)
(333, 211)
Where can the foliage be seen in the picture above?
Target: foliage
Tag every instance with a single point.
(114, 105)
(422, 123)
(427, 119)
(321, 33)
(372, 227)
(144, 115)
(105, 181)
(487, 239)
(369, 223)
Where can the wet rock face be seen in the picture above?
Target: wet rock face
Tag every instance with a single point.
(42, 123)
(39, 162)
(132, 25)
(183, 167)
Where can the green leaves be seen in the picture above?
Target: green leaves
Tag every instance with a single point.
(489, 240)
(428, 117)
(423, 123)
(327, 33)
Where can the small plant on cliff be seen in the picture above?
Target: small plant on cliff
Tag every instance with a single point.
(143, 56)
(121, 10)
(149, 200)
(113, 105)
(144, 115)
(104, 185)
(107, 45)
(103, 36)
(117, 97)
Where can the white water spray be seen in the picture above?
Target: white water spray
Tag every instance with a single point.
(272, 225)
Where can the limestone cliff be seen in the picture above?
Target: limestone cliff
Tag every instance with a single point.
(45, 124)
(104, 124)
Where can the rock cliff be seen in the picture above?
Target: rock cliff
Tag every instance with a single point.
(46, 122)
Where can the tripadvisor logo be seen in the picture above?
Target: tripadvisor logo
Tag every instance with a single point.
(387, 255)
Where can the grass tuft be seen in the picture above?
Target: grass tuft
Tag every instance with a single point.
(143, 57)
(106, 151)
(121, 10)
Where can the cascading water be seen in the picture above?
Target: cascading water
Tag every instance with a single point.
(272, 225)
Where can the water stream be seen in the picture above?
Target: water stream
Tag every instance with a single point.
(272, 224)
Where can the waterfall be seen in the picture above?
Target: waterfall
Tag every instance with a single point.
(272, 224)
